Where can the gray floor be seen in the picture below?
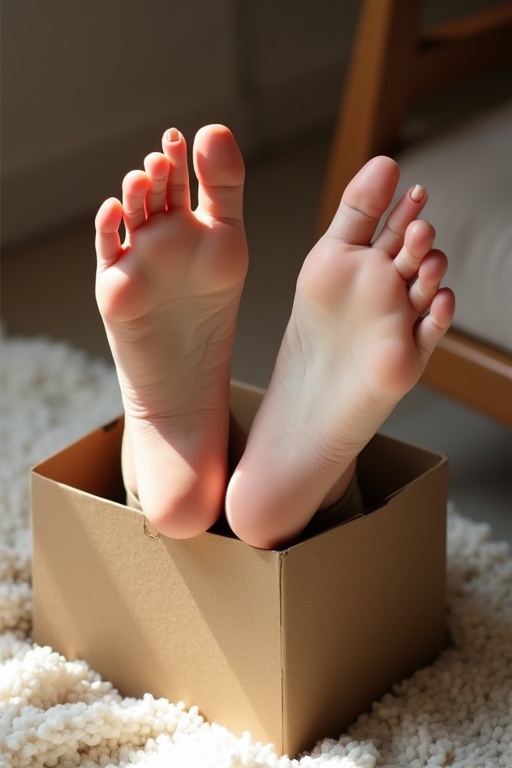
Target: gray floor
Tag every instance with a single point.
(47, 287)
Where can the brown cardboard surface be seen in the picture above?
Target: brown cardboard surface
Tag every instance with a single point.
(375, 611)
(291, 645)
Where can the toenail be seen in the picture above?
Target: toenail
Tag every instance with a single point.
(418, 193)
(172, 134)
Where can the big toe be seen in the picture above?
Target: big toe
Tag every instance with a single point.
(364, 201)
(220, 171)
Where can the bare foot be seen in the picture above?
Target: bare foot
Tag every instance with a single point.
(357, 341)
(169, 299)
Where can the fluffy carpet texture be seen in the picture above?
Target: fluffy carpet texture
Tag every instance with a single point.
(455, 713)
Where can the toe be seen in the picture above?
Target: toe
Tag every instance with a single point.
(431, 272)
(430, 330)
(408, 208)
(418, 240)
(364, 202)
(178, 188)
(136, 185)
(156, 166)
(107, 223)
(220, 172)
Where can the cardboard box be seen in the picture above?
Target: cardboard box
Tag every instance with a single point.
(291, 645)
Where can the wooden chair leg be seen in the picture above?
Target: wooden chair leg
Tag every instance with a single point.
(376, 93)
(474, 374)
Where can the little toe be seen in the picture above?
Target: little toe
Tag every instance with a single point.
(178, 186)
(364, 202)
(107, 223)
(220, 172)
(418, 240)
(430, 329)
(156, 166)
(136, 185)
(408, 208)
(431, 272)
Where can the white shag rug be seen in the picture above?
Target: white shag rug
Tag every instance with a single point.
(55, 712)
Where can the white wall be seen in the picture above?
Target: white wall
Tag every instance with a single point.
(88, 87)
(89, 84)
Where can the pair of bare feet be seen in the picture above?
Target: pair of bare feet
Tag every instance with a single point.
(368, 312)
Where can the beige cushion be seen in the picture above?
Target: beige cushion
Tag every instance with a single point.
(468, 172)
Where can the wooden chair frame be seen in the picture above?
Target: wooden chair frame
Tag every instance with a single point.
(394, 62)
